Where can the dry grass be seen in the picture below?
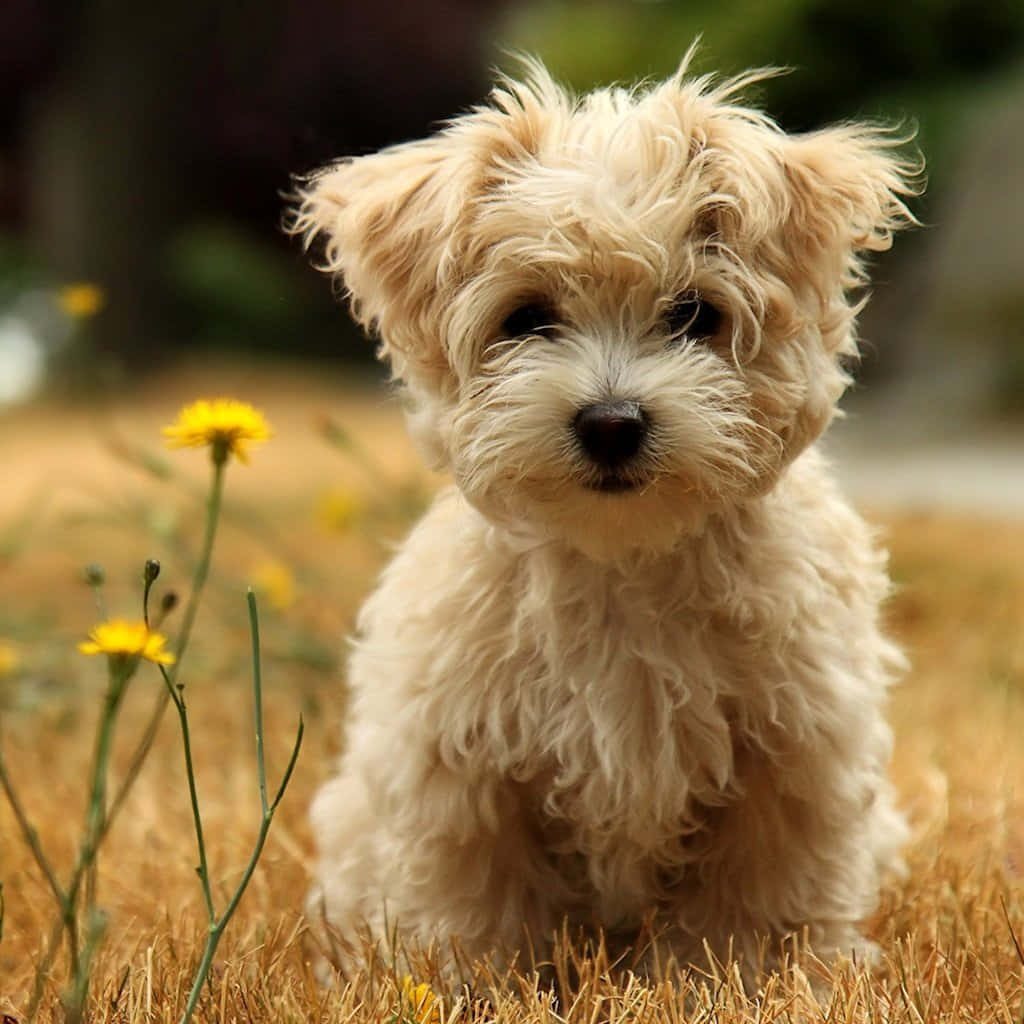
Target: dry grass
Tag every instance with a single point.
(947, 931)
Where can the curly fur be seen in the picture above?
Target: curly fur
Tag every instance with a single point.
(574, 704)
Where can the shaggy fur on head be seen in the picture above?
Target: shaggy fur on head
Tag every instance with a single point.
(630, 663)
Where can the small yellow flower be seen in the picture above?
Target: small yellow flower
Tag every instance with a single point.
(225, 424)
(127, 639)
(420, 999)
(9, 659)
(338, 509)
(276, 582)
(81, 300)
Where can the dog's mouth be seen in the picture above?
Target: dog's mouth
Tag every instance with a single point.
(613, 484)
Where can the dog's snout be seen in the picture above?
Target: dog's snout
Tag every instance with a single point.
(611, 433)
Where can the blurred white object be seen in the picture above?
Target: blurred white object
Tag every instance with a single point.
(22, 360)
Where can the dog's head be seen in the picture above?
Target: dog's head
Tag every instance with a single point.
(615, 315)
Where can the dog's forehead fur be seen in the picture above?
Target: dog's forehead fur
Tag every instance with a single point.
(655, 152)
(642, 174)
(651, 171)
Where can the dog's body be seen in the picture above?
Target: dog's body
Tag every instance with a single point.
(630, 664)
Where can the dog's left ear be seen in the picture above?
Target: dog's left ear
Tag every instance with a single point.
(388, 225)
(846, 190)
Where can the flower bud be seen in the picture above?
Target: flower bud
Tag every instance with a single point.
(94, 574)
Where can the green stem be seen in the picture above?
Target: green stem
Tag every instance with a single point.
(96, 813)
(177, 696)
(217, 925)
(74, 1000)
(43, 969)
(257, 695)
(202, 570)
(32, 839)
(138, 758)
(203, 565)
(213, 506)
(30, 833)
(293, 758)
(212, 939)
(95, 820)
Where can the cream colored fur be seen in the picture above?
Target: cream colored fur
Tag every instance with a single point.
(575, 704)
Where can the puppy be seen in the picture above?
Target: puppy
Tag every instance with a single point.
(629, 664)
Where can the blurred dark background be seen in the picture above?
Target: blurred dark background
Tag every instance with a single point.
(145, 150)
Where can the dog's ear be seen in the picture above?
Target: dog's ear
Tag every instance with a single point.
(844, 191)
(388, 227)
(846, 188)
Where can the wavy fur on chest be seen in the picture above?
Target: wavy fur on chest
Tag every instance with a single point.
(625, 701)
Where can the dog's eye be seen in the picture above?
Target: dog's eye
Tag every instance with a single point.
(531, 318)
(691, 316)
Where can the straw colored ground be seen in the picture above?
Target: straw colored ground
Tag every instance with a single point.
(309, 521)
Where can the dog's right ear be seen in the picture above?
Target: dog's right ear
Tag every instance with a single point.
(388, 226)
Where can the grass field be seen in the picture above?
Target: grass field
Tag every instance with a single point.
(308, 522)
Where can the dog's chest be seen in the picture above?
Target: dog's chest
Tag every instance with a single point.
(626, 715)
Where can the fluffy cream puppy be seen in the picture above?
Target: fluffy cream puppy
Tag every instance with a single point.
(629, 663)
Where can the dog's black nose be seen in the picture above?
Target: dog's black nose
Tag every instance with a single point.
(611, 433)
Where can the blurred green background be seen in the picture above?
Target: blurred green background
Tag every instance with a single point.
(145, 149)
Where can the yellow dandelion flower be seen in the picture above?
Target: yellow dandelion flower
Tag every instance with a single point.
(422, 1001)
(225, 424)
(81, 300)
(276, 582)
(119, 638)
(338, 509)
(9, 659)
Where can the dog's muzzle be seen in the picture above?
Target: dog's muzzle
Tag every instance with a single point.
(611, 434)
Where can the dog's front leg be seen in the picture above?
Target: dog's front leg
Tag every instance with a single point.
(446, 859)
(465, 869)
(789, 866)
